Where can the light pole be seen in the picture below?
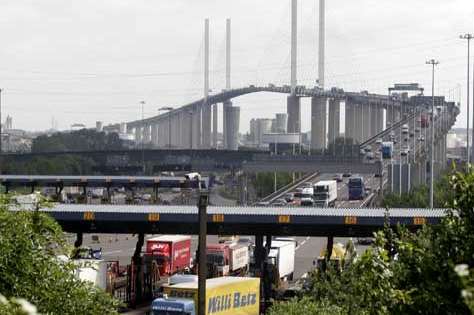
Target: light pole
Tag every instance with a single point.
(467, 37)
(169, 109)
(433, 63)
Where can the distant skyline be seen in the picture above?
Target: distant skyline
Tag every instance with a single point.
(88, 60)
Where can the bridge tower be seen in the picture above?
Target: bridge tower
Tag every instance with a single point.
(293, 101)
(318, 104)
(206, 108)
(231, 114)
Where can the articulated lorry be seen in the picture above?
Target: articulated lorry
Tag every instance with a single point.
(225, 295)
(282, 258)
(325, 193)
(387, 149)
(227, 259)
(172, 253)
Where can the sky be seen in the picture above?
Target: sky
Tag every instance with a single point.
(87, 60)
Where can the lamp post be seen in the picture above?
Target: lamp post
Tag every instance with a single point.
(169, 109)
(433, 63)
(467, 37)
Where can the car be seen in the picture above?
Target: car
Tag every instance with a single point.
(338, 178)
(307, 185)
(365, 240)
(262, 204)
(404, 152)
(289, 197)
(346, 175)
(368, 148)
(279, 202)
(421, 138)
(307, 202)
(378, 141)
(412, 134)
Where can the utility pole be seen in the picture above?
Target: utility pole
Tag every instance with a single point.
(202, 259)
(433, 63)
(468, 37)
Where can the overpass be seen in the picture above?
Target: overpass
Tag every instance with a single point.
(290, 221)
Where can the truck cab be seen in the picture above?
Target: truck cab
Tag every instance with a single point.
(325, 193)
(356, 188)
(172, 306)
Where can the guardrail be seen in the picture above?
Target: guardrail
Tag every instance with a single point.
(288, 187)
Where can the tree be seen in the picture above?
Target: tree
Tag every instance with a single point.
(30, 244)
(426, 272)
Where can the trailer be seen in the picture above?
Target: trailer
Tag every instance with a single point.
(224, 295)
(325, 193)
(282, 258)
(227, 259)
(172, 253)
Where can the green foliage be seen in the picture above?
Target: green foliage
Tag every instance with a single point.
(264, 182)
(305, 306)
(419, 196)
(81, 140)
(65, 164)
(30, 243)
(426, 272)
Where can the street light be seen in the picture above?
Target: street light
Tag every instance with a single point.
(433, 63)
(467, 37)
(169, 109)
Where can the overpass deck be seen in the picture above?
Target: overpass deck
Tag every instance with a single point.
(295, 221)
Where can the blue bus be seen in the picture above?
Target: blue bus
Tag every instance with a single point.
(356, 188)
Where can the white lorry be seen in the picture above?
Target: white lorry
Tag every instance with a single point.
(325, 193)
(282, 257)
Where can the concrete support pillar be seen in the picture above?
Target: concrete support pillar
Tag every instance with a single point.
(318, 123)
(348, 125)
(138, 134)
(225, 107)
(154, 134)
(293, 108)
(197, 127)
(206, 126)
(380, 126)
(214, 125)
(358, 123)
(233, 122)
(334, 120)
(366, 122)
(372, 120)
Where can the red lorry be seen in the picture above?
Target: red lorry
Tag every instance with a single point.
(227, 259)
(424, 121)
(171, 252)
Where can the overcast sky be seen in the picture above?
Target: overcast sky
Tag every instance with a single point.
(86, 60)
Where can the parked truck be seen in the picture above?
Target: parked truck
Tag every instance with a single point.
(172, 253)
(387, 149)
(282, 258)
(325, 193)
(225, 259)
(224, 295)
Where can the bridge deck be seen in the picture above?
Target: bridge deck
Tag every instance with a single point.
(302, 221)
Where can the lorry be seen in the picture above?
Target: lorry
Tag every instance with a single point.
(282, 258)
(224, 295)
(337, 256)
(224, 259)
(325, 193)
(172, 253)
(424, 123)
(356, 188)
(387, 149)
